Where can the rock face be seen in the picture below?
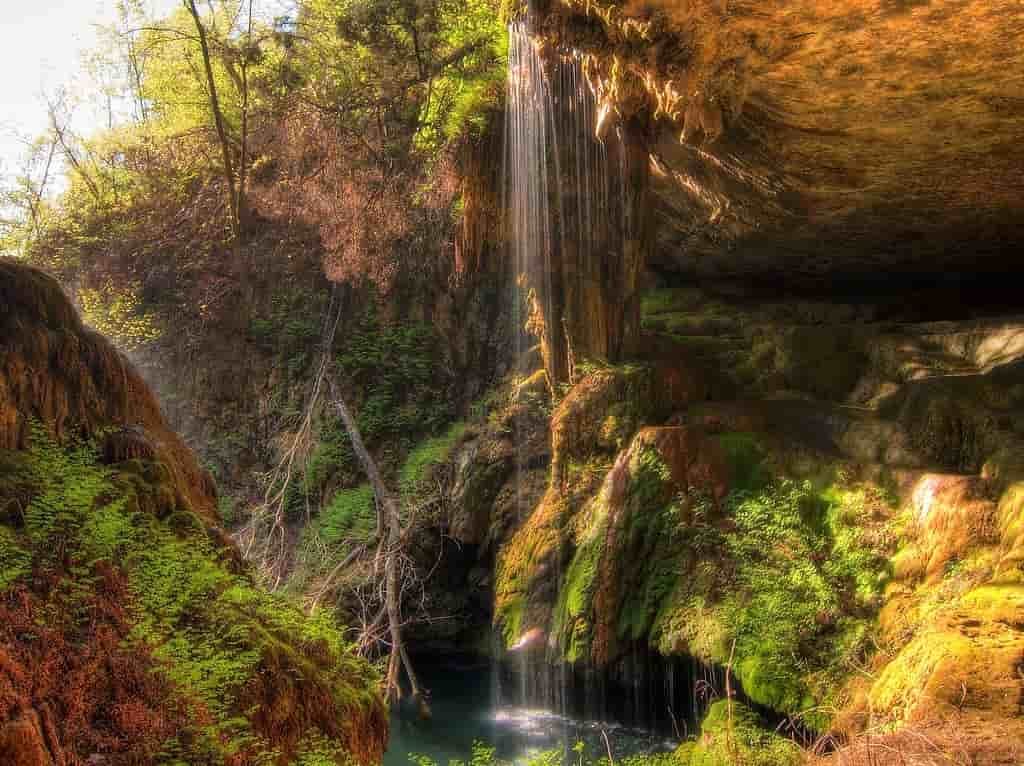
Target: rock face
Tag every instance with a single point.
(129, 630)
(794, 489)
(817, 142)
(838, 484)
(55, 370)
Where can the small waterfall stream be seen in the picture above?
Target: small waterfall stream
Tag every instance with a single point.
(568, 193)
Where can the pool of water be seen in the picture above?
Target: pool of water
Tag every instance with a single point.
(467, 706)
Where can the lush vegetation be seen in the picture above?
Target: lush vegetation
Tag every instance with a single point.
(115, 544)
(781, 580)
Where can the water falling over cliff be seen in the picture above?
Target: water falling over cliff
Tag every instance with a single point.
(575, 206)
(574, 201)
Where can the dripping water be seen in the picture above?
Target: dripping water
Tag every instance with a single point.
(561, 193)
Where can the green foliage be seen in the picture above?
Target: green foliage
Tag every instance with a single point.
(483, 754)
(105, 531)
(797, 586)
(15, 560)
(460, 100)
(174, 85)
(732, 735)
(779, 578)
(332, 460)
(290, 329)
(425, 457)
(317, 750)
(350, 515)
(210, 628)
(442, 61)
(398, 366)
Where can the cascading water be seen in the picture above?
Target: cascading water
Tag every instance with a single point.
(574, 212)
(569, 200)
(572, 203)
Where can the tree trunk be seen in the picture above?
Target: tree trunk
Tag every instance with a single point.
(218, 120)
(388, 514)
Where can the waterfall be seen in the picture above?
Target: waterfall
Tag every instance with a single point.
(570, 202)
(573, 214)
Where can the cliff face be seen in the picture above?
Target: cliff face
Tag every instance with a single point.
(820, 491)
(824, 496)
(130, 627)
(814, 141)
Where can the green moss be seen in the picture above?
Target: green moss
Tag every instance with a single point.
(210, 628)
(788, 589)
(511, 617)
(652, 545)
(427, 456)
(668, 301)
(794, 583)
(732, 735)
(746, 457)
(572, 612)
(530, 550)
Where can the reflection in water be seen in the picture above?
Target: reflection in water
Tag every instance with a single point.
(466, 710)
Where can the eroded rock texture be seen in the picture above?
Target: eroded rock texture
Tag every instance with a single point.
(819, 142)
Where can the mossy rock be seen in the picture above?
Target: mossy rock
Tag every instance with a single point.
(732, 735)
(1011, 527)
(955, 423)
(482, 466)
(746, 458)
(964, 661)
(824, 361)
(601, 413)
(628, 549)
(168, 588)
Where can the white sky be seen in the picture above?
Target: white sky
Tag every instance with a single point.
(41, 44)
(41, 47)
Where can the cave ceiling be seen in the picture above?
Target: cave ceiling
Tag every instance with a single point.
(816, 141)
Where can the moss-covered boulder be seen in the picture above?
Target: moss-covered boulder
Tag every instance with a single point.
(56, 371)
(966, 657)
(732, 735)
(600, 414)
(695, 544)
(129, 629)
(627, 541)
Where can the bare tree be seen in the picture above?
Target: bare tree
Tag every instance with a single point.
(389, 532)
(59, 126)
(266, 532)
(23, 194)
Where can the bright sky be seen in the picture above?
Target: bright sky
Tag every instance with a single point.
(41, 43)
(41, 47)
